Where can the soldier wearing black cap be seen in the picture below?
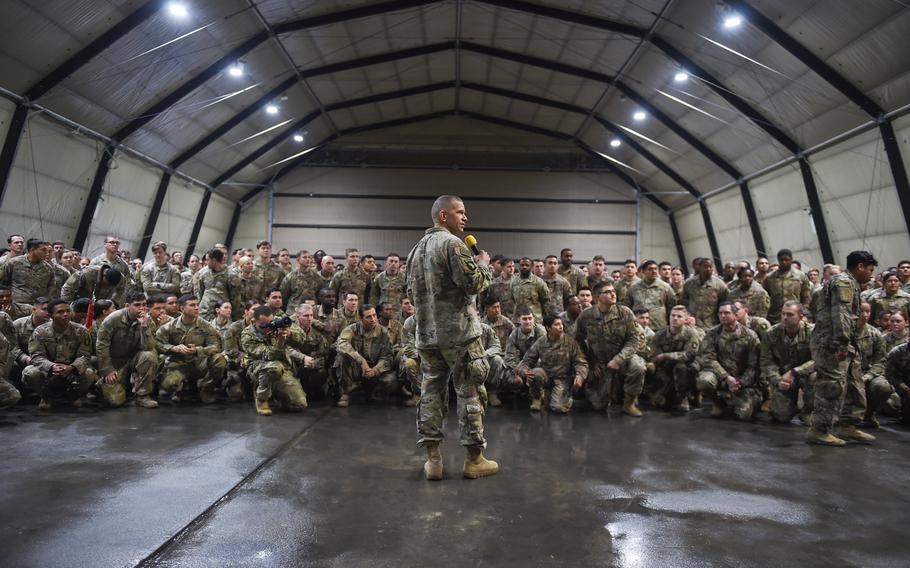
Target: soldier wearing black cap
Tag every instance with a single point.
(839, 392)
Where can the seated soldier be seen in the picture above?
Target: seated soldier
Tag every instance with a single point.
(232, 381)
(897, 371)
(127, 360)
(193, 350)
(570, 316)
(310, 352)
(22, 333)
(897, 334)
(268, 363)
(409, 360)
(872, 352)
(98, 281)
(514, 377)
(608, 333)
(386, 313)
(9, 395)
(503, 327)
(274, 300)
(786, 363)
(365, 358)
(60, 352)
(489, 339)
(556, 365)
(729, 366)
(673, 352)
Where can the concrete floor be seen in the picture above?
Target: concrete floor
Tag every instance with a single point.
(220, 486)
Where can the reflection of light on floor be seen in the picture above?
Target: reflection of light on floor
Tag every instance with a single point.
(730, 503)
(630, 545)
(263, 554)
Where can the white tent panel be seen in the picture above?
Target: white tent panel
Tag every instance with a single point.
(178, 213)
(692, 233)
(254, 223)
(6, 112)
(783, 213)
(656, 238)
(125, 202)
(215, 225)
(49, 182)
(731, 227)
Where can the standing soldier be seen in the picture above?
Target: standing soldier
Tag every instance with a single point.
(652, 294)
(570, 272)
(786, 363)
(267, 270)
(702, 293)
(215, 284)
(609, 335)
(526, 289)
(786, 283)
(125, 346)
(443, 280)
(159, 276)
(558, 287)
(193, 350)
(839, 392)
(111, 256)
(501, 286)
(28, 275)
(351, 278)
(557, 365)
(389, 285)
(60, 352)
(673, 352)
(622, 286)
(303, 284)
(365, 357)
(729, 366)
(750, 292)
(250, 284)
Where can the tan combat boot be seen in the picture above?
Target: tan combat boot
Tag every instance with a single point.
(630, 406)
(343, 401)
(433, 466)
(814, 436)
(44, 405)
(475, 465)
(493, 398)
(851, 433)
(717, 411)
(262, 407)
(537, 404)
(146, 402)
(683, 406)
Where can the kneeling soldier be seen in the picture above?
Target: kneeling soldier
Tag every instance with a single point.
(266, 357)
(365, 357)
(125, 347)
(557, 364)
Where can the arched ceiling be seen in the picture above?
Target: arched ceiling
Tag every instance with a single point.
(492, 83)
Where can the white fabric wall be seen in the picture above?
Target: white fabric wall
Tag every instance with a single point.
(215, 224)
(178, 213)
(481, 214)
(656, 235)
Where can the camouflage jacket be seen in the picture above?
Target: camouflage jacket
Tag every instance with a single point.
(258, 347)
(560, 359)
(574, 276)
(645, 334)
(568, 324)
(443, 281)
(781, 353)
(387, 288)
(679, 347)
(491, 345)
(24, 328)
(755, 298)
(837, 313)
(72, 346)
(892, 341)
(214, 288)
(897, 366)
(199, 333)
(270, 274)
(658, 298)
(372, 346)
(731, 353)
(28, 280)
(501, 288)
(519, 342)
(870, 344)
(502, 326)
(118, 339)
(297, 287)
(160, 279)
(117, 262)
(251, 288)
(311, 342)
(559, 289)
(785, 286)
(760, 326)
(882, 302)
(407, 347)
(702, 298)
(622, 287)
(394, 330)
(610, 336)
(531, 292)
(84, 284)
(347, 280)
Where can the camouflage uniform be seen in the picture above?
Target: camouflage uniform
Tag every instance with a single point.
(124, 346)
(19, 354)
(393, 328)
(568, 324)
(760, 326)
(28, 280)
(516, 346)
(233, 380)
(503, 327)
(892, 341)
(347, 280)
(555, 365)
(785, 286)
(61, 275)
(9, 395)
(531, 292)
(312, 343)
(702, 299)
(117, 262)
(443, 281)
(492, 349)
(605, 337)
(657, 297)
(622, 287)
(215, 288)
(251, 288)
(559, 289)
(84, 284)
(48, 347)
(897, 371)
(407, 357)
(355, 345)
(882, 302)
(269, 366)
(297, 287)
(672, 381)
(157, 280)
(871, 350)
(387, 288)
(725, 353)
(270, 274)
(781, 353)
(501, 288)
(839, 389)
(574, 276)
(206, 366)
(756, 299)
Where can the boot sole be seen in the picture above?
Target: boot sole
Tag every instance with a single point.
(478, 475)
(828, 444)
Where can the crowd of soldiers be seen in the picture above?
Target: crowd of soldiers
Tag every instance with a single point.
(828, 347)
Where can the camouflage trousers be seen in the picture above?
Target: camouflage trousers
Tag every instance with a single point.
(744, 403)
(274, 379)
(144, 364)
(206, 372)
(840, 395)
(409, 372)
(671, 383)
(315, 382)
(467, 367)
(785, 404)
(48, 386)
(9, 395)
(599, 387)
(560, 390)
(878, 391)
(904, 394)
(351, 379)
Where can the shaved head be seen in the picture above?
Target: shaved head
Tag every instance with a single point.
(443, 203)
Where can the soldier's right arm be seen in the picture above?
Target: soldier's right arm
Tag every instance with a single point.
(4, 356)
(579, 362)
(896, 366)
(103, 347)
(257, 348)
(162, 341)
(879, 355)
(375, 290)
(707, 358)
(70, 287)
(146, 277)
(689, 352)
(769, 368)
(630, 347)
(36, 348)
(343, 344)
(532, 355)
(198, 286)
(288, 288)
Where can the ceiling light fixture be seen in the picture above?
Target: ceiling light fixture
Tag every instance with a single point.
(236, 70)
(178, 9)
(615, 143)
(271, 109)
(298, 138)
(680, 76)
(733, 21)
(639, 115)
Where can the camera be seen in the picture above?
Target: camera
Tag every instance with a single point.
(278, 324)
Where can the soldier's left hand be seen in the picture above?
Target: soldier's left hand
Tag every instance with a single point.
(613, 366)
(579, 383)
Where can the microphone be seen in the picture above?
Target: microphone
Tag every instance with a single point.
(472, 242)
